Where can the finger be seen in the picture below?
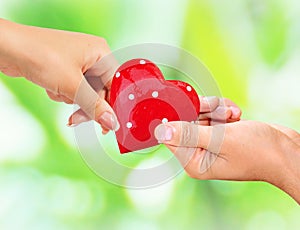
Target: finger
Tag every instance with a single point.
(236, 113)
(101, 73)
(94, 107)
(77, 118)
(58, 98)
(54, 96)
(104, 131)
(227, 102)
(80, 116)
(205, 122)
(185, 134)
(66, 100)
(208, 104)
(221, 114)
(99, 77)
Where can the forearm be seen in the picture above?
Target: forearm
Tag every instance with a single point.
(290, 182)
(7, 40)
(9, 49)
(15, 50)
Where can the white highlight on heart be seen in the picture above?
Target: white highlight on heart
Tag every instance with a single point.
(164, 120)
(154, 94)
(118, 74)
(189, 88)
(131, 96)
(129, 125)
(142, 62)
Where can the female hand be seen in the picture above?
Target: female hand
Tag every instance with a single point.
(56, 60)
(244, 150)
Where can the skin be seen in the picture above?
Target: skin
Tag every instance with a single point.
(56, 60)
(63, 63)
(247, 151)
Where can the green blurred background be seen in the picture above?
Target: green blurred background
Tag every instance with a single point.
(252, 49)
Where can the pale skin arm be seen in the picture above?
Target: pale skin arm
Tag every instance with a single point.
(56, 60)
(247, 151)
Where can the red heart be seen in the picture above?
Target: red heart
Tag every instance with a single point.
(142, 99)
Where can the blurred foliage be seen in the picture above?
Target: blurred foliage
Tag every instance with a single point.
(203, 38)
(271, 27)
(193, 204)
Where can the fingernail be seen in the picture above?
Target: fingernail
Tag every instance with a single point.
(109, 121)
(163, 133)
(235, 111)
(77, 119)
(71, 125)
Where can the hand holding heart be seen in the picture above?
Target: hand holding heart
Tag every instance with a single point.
(56, 61)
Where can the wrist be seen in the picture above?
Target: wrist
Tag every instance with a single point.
(3, 41)
(12, 47)
(8, 41)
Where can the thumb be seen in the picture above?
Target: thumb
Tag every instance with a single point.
(95, 107)
(186, 134)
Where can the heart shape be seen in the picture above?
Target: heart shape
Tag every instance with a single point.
(143, 99)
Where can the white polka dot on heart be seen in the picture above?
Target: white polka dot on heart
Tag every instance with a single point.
(189, 88)
(154, 94)
(142, 62)
(131, 96)
(164, 120)
(129, 125)
(118, 74)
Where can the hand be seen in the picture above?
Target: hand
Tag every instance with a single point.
(56, 60)
(244, 150)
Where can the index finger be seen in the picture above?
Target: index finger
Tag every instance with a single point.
(100, 75)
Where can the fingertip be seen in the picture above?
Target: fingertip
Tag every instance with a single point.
(236, 112)
(164, 132)
(77, 118)
(221, 114)
(105, 131)
(208, 104)
(109, 121)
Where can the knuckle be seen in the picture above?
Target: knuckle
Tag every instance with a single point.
(52, 97)
(71, 89)
(68, 101)
(188, 135)
(100, 41)
(191, 173)
(103, 41)
(185, 134)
